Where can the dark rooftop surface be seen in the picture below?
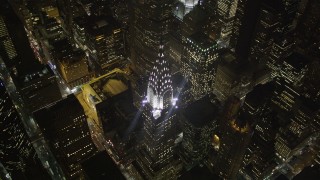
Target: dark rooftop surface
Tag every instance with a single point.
(196, 15)
(57, 114)
(180, 83)
(309, 173)
(282, 177)
(275, 5)
(242, 120)
(61, 46)
(199, 173)
(235, 66)
(39, 96)
(309, 104)
(29, 79)
(201, 112)
(124, 103)
(65, 53)
(298, 61)
(100, 167)
(259, 94)
(96, 25)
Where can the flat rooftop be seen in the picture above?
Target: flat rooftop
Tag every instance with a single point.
(198, 172)
(297, 61)
(58, 115)
(260, 93)
(101, 166)
(201, 112)
(108, 87)
(97, 25)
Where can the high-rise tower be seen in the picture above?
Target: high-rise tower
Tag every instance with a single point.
(5, 39)
(160, 91)
(156, 156)
(226, 12)
(64, 126)
(150, 20)
(258, 22)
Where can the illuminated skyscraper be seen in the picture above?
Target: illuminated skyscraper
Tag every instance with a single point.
(6, 42)
(156, 156)
(64, 125)
(283, 133)
(189, 4)
(193, 22)
(258, 23)
(160, 91)
(183, 7)
(268, 24)
(104, 42)
(15, 147)
(227, 10)
(199, 57)
(151, 19)
(237, 23)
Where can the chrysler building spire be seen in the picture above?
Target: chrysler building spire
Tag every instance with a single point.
(160, 91)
